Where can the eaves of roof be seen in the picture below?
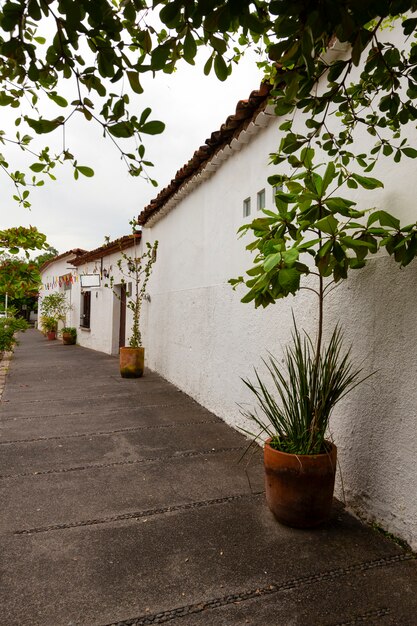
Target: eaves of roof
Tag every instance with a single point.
(246, 112)
(109, 248)
(75, 251)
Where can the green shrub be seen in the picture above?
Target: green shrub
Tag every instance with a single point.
(70, 330)
(8, 327)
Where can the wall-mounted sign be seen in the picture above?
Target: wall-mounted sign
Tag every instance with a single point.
(90, 280)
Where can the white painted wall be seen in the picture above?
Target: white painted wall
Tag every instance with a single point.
(199, 336)
(50, 284)
(103, 334)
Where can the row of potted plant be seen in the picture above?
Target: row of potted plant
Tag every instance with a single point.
(54, 308)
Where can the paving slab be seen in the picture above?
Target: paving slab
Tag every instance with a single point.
(71, 496)
(131, 443)
(124, 502)
(159, 563)
(102, 419)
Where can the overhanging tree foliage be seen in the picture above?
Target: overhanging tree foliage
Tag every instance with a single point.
(14, 240)
(104, 45)
(19, 278)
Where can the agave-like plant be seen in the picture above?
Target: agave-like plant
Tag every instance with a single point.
(295, 410)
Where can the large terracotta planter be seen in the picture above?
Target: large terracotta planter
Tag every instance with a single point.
(51, 334)
(132, 362)
(299, 488)
(68, 339)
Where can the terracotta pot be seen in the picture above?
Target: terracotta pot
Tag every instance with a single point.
(68, 339)
(299, 488)
(51, 334)
(132, 362)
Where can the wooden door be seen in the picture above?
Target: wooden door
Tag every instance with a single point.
(122, 326)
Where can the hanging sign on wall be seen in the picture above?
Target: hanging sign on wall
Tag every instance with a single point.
(90, 280)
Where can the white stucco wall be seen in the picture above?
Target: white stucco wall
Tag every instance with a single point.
(50, 284)
(103, 334)
(199, 336)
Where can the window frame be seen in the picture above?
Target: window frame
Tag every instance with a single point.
(261, 200)
(247, 206)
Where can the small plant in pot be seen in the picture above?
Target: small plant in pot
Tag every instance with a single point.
(294, 412)
(53, 308)
(134, 268)
(69, 335)
(49, 327)
(295, 404)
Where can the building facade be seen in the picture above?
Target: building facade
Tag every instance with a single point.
(202, 338)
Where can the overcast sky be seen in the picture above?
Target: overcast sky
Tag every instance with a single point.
(79, 214)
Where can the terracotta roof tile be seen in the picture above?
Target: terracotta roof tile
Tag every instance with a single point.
(106, 249)
(75, 251)
(246, 111)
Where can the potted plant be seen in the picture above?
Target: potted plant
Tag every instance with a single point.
(49, 326)
(135, 268)
(54, 308)
(293, 410)
(69, 335)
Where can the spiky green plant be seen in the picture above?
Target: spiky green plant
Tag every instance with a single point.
(295, 409)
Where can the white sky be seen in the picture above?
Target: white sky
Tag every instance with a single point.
(78, 214)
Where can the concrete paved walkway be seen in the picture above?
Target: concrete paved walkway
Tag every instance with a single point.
(123, 502)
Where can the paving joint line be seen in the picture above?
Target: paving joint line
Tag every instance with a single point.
(83, 398)
(242, 596)
(80, 468)
(136, 515)
(107, 432)
(86, 413)
(364, 617)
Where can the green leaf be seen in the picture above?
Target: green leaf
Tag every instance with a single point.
(153, 128)
(219, 45)
(356, 264)
(367, 182)
(327, 225)
(325, 249)
(251, 295)
(350, 242)
(220, 67)
(208, 65)
(261, 223)
(160, 57)
(410, 152)
(85, 171)
(169, 13)
(291, 256)
(134, 82)
(144, 115)
(409, 26)
(42, 126)
(59, 100)
(329, 175)
(189, 48)
(339, 205)
(37, 167)
(289, 279)
(271, 261)
(385, 219)
(121, 130)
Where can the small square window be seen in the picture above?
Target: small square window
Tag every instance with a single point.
(275, 190)
(246, 207)
(260, 200)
